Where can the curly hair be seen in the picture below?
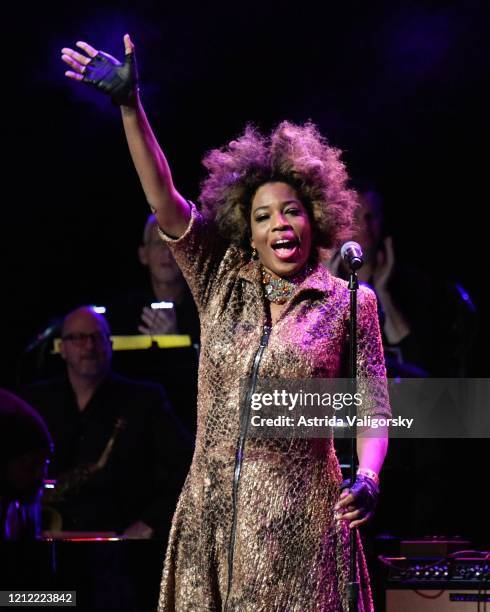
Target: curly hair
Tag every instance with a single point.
(295, 154)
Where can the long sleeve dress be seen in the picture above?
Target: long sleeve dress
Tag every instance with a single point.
(254, 528)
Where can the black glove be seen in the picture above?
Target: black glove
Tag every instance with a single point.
(119, 81)
(365, 492)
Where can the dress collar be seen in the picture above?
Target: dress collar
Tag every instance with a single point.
(320, 280)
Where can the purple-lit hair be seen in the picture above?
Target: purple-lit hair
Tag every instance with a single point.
(295, 154)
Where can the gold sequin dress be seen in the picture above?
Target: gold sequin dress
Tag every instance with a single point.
(253, 530)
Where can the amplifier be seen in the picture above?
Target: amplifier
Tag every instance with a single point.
(451, 584)
(454, 570)
(433, 600)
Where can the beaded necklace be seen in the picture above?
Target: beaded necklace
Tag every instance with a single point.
(279, 290)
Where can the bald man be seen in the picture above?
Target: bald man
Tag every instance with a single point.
(121, 454)
(86, 348)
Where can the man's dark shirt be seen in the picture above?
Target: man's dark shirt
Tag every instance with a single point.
(146, 467)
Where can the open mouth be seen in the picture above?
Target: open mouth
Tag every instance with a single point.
(285, 248)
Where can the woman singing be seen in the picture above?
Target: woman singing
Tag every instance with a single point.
(260, 525)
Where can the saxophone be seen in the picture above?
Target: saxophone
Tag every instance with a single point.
(72, 480)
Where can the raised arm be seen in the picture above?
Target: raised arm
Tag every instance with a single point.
(119, 81)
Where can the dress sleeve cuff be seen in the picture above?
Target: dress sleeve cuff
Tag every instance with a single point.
(189, 229)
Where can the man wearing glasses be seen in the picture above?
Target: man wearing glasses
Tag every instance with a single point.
(120, 453)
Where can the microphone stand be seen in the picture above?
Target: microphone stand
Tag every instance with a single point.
(353, 584)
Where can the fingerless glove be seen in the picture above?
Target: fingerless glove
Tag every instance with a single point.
(119, 81)
(365, 492)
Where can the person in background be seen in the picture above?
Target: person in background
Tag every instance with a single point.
(131, 313)
(25, 450)
(428, 327)
(428, 324)
(121, 454)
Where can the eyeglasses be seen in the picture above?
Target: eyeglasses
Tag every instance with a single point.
(81, 338)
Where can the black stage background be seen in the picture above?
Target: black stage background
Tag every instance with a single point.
(398, 86)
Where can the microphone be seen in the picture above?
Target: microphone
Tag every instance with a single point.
(46, 334)
(351, 253)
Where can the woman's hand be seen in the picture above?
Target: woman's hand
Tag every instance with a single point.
(357, 503)
(120, 81)
(385, 265)
(105, 72)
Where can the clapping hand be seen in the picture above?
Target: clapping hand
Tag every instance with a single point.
(161, 321)
(385, 264)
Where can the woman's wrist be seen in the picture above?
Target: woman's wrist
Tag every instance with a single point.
(374, 476)
(132, 105)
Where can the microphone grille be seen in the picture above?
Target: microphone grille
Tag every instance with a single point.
(347, 246)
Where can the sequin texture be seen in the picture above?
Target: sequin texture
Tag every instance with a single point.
(289, 555)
